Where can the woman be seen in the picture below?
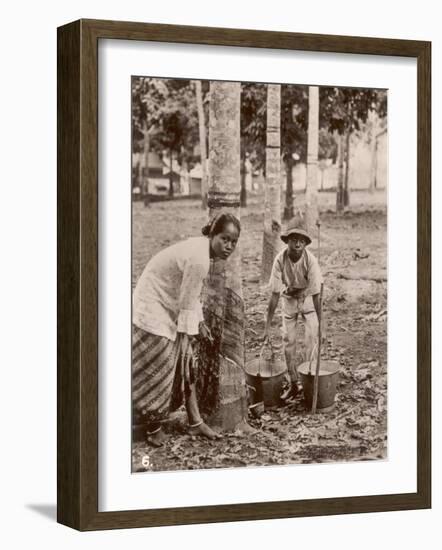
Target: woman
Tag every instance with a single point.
(167, 316)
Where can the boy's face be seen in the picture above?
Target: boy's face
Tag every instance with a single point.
(296, 244)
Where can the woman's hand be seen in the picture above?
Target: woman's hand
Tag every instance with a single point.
(186, 352)
(205, 333)
(185, 344)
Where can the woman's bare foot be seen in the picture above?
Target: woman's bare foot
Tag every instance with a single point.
(204, 430)
(156, 439)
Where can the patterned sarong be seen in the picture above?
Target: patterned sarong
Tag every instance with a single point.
(157, 380)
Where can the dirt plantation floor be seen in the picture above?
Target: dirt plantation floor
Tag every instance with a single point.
(353, 260)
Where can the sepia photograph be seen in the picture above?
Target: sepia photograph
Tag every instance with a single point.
(259, 274)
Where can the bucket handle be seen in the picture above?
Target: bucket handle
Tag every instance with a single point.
(315, 347)
(265, 343)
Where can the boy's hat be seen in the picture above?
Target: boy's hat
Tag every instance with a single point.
(295, 227)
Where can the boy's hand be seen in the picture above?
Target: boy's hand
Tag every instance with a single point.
(323, 332)
(294, 292)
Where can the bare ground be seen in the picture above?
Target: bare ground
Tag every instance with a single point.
(353, 259)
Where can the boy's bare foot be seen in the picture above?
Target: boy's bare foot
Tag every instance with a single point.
(291, 392)
(156, 439)
(204, 430)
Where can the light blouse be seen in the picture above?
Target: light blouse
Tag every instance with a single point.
(166, 298)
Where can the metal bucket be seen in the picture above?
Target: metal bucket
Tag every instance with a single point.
(265, 380)
(328, 379)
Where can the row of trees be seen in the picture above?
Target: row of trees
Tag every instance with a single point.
(171, 117)
(344, 112)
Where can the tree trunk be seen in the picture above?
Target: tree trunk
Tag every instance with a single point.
(347, 169)
(372, 117)
(221, 381)
(311, 192)
(170, 174)
(288, 208)
(140, 175)
(272, 202)
(243, 198)
(375, 168)
(184, 176)
(340, 186)
(203, 148)
(145, 182)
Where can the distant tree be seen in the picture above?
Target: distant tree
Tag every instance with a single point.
(178, 126)
(148, 95)
(253, 130)
(328, 151)
(294, 112)
(344, 110)
(377, 126)
(164, 112)
(328, 147)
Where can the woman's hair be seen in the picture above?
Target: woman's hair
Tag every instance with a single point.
(219, 222)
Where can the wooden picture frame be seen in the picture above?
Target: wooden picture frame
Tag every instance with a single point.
(77, 224)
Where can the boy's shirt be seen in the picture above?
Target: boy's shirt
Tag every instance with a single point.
(304, 275)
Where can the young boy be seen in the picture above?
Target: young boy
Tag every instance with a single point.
(296, 277)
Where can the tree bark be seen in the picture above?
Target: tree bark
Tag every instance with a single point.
(203, 148)
(272, 202)
(221, 382)
(311, 191)
(372, 117)
(184, 173)
(140, 175)
(347, 169)
(340, 186)
(170, 174)
(146, 150)
(243, 179)
(288, 208)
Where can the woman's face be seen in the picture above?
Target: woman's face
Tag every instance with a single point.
(224, 243)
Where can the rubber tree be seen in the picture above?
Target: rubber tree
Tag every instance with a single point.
(253, 130)
(346, 195)
(147, 95)
(311, 190)
(203, 138)
(221, 382)
(340, 186)
(372, 120)
(145, 171)
(272, 199)
(294, 109)
(377, 128)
